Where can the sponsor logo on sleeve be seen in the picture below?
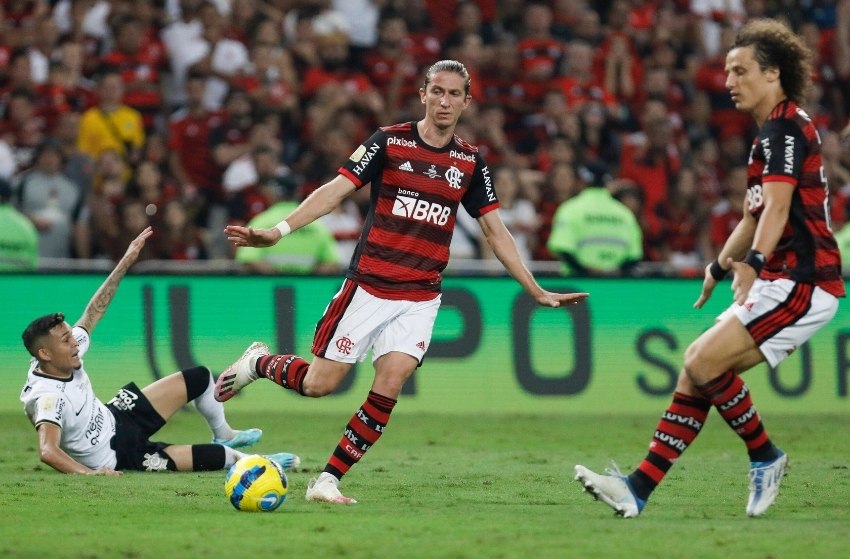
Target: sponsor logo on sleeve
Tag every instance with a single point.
(365, 158)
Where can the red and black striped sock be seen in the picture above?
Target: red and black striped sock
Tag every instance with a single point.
(362, 431)
(285, 370)
(676, 430)
(731, 397)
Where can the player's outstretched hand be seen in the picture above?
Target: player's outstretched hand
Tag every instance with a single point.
(136, 246)
(549, 299)
(249, 237)
(106, 472)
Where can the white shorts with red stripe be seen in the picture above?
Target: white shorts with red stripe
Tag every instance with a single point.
(781, 315)
(356, 321)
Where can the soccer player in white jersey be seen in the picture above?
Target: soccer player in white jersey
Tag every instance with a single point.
(419, 172)
(78, 433)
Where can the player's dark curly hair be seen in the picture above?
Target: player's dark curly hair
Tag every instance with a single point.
(776, 46)
(448, 66)
(39, 327)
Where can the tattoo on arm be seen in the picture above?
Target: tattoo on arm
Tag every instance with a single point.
(98, 304)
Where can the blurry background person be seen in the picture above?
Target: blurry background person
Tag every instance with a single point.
(18, 237)
(594, 234)
(53, 203)
(309, 250)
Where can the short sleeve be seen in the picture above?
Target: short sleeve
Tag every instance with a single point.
(367, 161)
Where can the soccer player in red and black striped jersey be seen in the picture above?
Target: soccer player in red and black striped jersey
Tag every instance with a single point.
(419, 173)
(787, 275)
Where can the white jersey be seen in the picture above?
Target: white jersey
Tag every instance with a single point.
(87, 424)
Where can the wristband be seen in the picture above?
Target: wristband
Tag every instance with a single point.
(755, 259)
(716, 271)
(284, 228)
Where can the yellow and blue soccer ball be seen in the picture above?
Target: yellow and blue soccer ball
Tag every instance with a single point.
(255, 483)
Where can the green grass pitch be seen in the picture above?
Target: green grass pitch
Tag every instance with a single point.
(442, 486)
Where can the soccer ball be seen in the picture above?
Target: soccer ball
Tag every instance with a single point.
(255, 483)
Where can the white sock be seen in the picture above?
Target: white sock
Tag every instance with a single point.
(231, 456)
(213, 412)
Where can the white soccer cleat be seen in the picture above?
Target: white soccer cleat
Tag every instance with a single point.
(765, 478)
(240, 374)
(612, 489)
(326, 488)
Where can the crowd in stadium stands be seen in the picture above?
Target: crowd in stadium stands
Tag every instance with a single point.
(192, 114)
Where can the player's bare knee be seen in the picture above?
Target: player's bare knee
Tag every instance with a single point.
(314, 387)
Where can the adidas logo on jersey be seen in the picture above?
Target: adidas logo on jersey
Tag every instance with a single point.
(406, 166)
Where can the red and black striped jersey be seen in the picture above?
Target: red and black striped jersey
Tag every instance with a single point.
(788, 149)
(414, 197)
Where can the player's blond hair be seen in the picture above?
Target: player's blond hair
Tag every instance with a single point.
(448, 66)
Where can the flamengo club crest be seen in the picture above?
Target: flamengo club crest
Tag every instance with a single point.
(454, 176)
(344, 345)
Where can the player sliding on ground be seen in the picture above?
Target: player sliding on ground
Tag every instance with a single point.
(419, 173)
(787, 276)
(77, 433)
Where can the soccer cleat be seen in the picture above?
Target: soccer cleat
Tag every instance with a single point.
(241, 439)
(613, 489)
(240, 374)
(285, 460)
(326, 488)
(765, 478)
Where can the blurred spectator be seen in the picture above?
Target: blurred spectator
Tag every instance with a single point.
(192, 134)
(309, 250)
(837, 178)
(345, 222)
(109, 190)
(728, 212)
(78, 166)
(391, 65)
(710, 78)
(249, 178)
(111, 125)
(517, 212)
(52, 202)
(650, 158)
(469, 20)
(679, 228)
(842, 237)
(712, 16)
(503, 83)
(18, 237)
(178, 237)
(42, 48)
(149, 187)
(579, 83)
(560, 185)
(184, 30)
(541, 53)
(363, 19)
(220, 58)
(22, 129)
(350, 86)
(139, 61)
(593, 234)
